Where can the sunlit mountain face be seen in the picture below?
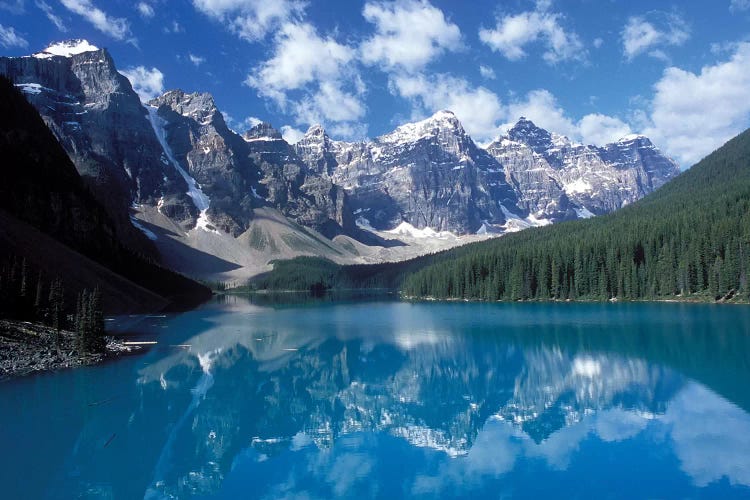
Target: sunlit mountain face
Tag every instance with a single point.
(353, 400)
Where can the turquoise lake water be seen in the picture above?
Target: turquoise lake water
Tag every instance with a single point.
(245, 399)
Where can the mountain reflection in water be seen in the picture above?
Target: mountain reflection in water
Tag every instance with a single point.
(394, 399)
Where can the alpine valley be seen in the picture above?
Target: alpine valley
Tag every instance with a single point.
(184, 188)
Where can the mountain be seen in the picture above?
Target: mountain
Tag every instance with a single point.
(216, 204)
(558, 179)
(98, 118)
(51, 219)
(687, 240)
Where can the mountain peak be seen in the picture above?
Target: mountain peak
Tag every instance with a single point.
(67, 48)
(262, 131)
(632, 138)
(315, 130)
(526, 132)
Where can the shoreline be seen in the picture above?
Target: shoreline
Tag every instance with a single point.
(677, 300)
(31, 348)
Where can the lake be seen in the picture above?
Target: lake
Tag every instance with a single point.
(244, 398)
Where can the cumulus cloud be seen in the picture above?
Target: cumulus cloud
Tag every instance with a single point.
(115, 27)
(601, 129)
(145, 10)
(692, 114)
(513, 33)
(478, 109)
(737, 5)
(53, 18)
(310, 76)
(408, 34)
(651, 35)
(291, 134)
(9, 37)
(541, 107)
(250, 19)
(148, 83)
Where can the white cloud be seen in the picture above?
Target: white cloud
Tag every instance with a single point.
(313, 77)
(737, 5)
(641, 35)
(145, 10)
(542, 108)
(408, 34)
(197, 60)
(251, 19)
(711, 436)
(486, 72)
(692, 114)
(117, 28)
(598, 42)
(513, 33)
(148, 83)
(601, 129)
(300, 57)
(478, 109)
(291, 134)
(9, 37)
(53, 18)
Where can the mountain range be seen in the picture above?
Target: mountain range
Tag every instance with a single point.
(216, 204)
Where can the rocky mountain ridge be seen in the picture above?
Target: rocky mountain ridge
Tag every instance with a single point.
(176, 155)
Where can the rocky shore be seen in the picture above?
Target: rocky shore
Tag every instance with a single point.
(30, 347)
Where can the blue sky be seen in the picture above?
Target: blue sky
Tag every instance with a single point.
(594, 70)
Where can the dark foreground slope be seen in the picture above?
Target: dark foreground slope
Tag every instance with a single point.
(688, 240)
(49, 217)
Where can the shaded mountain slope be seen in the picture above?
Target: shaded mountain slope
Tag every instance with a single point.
(42, 189)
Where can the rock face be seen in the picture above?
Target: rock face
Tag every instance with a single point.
(427, 174)
(99, 120)
(297, 179)
(212, 154)
(177, 154)
(431, 174)
(557, 179)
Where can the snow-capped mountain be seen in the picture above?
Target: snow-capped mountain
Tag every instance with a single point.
(98, 118)
(177, 158)
(558, 179)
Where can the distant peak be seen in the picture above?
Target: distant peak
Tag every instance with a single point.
(444, 113)
(632, 137)
(67, 48)
(260, 131)
(315, 130)
(524, 123)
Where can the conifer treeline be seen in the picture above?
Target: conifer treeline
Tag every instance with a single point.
(690, 238)
(27, 295)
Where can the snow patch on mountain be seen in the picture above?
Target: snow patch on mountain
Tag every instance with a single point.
(412, 132)
(584, 213)
(578, 186)
(200, 199)
(515, 223)
(66, 49)
(406, 229)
